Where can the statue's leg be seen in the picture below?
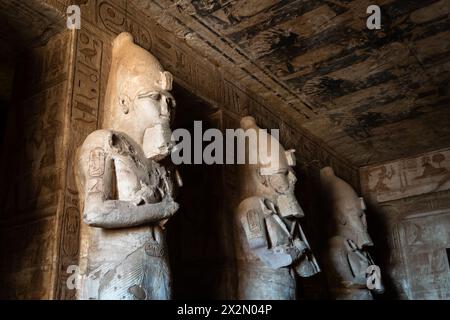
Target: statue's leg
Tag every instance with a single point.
(266, 284)
(124, 280)
(157, 279)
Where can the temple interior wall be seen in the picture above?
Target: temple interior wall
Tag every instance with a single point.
(33, 167)
(58, 100)
(409, 203)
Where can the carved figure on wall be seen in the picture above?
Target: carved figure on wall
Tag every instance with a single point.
(272, 249)
(127, 194)
(351, 272)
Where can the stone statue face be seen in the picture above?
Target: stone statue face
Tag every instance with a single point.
(283, 181)
(153, 112)
(351, 221)
(281, 185)
(139, 99)
(274, 177)
(347, 209)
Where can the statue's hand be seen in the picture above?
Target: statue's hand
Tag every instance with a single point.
(144, 195)
(297, 250)
(301, 246)
(170, 206)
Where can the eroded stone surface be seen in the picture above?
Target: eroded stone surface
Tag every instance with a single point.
(272, 249)
(127, 194)
(350, 268)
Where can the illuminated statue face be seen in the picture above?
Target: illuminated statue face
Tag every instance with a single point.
(139, 99)
(283, 181)
(281, 187)
(153, 112)
(274, 177)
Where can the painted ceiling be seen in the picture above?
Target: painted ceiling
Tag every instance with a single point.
(370, 95)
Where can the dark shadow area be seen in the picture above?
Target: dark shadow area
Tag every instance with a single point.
(309, 195)
(28, 131)
(379, 232)
(7, 68)
(196, 233)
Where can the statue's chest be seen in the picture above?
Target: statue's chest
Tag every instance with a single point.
(134, 173)
(358, 262)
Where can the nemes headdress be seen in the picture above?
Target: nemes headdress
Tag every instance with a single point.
(134, 71)
(270, 154)
(336, 189)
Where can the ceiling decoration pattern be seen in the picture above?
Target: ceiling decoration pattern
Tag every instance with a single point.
(371, 95)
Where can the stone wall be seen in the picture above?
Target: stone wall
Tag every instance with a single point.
(410, 222)
(32, 188)
(68, 105)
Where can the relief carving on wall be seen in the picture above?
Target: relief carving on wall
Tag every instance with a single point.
(419, 242)
(424, 243)
(408, 177)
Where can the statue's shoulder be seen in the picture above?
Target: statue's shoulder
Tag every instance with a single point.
(251, 203)
(109, 141)
(337, 243)
(97, 139)
(250, 216)
(92, 149)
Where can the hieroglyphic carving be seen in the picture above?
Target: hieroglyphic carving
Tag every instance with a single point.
(235, 100)
(417, 239)
(87, 80)
(116, 20)
(41, 106)
(49, 63)
(41, 164)
(408, 177)
(38, 168)
(27, 272)
(84, 119)
(71, 230)
(97, 162)
(423, 243)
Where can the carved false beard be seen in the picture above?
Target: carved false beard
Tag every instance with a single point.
(288, 206)
(360, 238)
(157, 142)
(363, 240)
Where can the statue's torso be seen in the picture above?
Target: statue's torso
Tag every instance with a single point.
(347, 271)
(256, 279)
(127, 263)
